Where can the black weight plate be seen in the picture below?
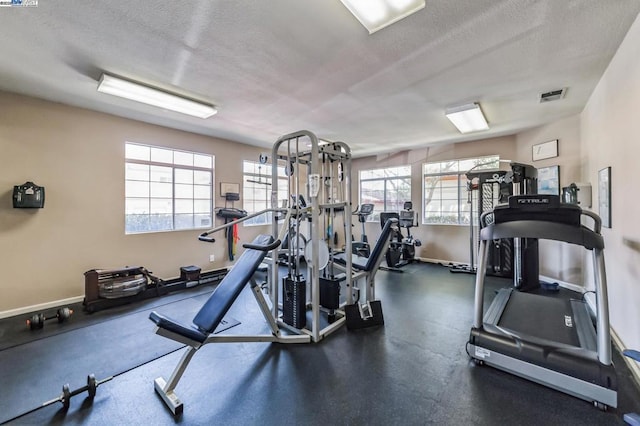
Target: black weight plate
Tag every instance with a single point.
(92, 385)
(63, 314)
(33, 322)
(37, 321)
(66, 396)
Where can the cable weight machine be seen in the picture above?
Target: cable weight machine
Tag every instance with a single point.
(509, 258)
(321, 174)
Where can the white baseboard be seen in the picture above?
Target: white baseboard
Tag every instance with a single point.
(40, 307)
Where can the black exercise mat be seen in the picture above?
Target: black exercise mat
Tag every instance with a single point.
(14, 331)
(34, 372)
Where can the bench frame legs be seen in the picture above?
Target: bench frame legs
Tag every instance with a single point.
(166, 388)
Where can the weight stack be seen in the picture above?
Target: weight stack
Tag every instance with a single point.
(530, 278)
(500, 261)
(294, 304)
(330, 293)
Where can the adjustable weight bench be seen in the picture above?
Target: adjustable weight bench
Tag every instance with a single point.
(366, 268)
(212, 313)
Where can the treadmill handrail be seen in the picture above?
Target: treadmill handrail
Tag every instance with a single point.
(544, 230)
(597, 221)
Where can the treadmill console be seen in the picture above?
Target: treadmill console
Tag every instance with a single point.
(537, 207)
(534, 202)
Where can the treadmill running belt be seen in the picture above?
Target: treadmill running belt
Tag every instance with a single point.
(544, 317)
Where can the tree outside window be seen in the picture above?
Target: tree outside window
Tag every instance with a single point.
(387, 189)
(445, 192)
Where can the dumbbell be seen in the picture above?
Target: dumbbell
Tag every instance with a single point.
(67, 394)
(37, 321)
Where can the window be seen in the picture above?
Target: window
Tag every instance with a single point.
(166, 189)
(387, 189)
(445, 189)
(256, 190)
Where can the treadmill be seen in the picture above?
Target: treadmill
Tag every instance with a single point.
(547, 340)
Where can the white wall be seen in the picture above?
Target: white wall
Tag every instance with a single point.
(559, 261)
(610, 138)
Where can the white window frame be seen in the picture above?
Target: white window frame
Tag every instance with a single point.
(454, 168)
(386, 174)
(174, 163)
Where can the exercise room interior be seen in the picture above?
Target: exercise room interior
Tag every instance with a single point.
(273, 100)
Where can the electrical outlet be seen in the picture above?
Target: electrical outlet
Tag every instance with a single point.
(212, 258)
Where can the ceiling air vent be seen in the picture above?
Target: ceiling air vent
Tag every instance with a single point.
(553, 95)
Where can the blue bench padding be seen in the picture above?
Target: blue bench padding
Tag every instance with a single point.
(632, 354)
(632, 419)
(216, 307)
(210, 315)
(368, 263)
(171, 325)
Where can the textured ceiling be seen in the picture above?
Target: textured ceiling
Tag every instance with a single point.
(276, 66)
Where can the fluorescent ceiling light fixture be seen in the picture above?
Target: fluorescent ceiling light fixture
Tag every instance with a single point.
(467, 118)
(150, 96)
(377, 14)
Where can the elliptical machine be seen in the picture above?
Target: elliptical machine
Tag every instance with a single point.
(362, 248)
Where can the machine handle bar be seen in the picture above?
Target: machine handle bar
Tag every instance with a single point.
(205, 234)
(268, 247)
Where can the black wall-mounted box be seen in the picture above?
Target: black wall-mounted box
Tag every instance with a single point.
(28, 196)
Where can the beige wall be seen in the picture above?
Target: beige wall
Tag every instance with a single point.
(78, 156)
(610, 138)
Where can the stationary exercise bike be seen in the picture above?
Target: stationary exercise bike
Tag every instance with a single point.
(409, 219)
(402, 250)
(362, 248)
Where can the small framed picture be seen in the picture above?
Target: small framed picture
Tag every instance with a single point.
(545, 150)
(549, 180)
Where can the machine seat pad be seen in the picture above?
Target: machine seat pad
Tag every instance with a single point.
(357, 262)
(212, 312)
(175, 327)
